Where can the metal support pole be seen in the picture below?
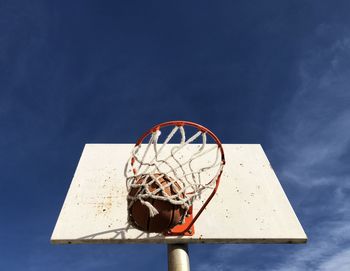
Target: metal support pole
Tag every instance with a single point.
(178, 258)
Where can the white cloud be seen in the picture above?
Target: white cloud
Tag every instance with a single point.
(339, 262)
(315, 127)
(314, 139)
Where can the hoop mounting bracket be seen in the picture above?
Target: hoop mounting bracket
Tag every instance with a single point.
(183, 229)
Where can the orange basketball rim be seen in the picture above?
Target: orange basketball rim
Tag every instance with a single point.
(192, 178)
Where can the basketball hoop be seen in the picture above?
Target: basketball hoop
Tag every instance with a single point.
(171, 174)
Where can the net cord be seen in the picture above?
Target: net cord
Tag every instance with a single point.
(149, 173)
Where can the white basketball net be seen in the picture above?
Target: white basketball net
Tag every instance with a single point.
(190, 169)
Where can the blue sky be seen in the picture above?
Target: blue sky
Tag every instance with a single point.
(76, 72)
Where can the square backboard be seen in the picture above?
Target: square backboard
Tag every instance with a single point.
(249, 207)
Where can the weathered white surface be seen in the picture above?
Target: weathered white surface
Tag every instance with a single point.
(250, 206)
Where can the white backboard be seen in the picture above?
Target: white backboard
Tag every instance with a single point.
(249, 207)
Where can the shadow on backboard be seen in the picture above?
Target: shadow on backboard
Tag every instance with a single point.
(119, 234)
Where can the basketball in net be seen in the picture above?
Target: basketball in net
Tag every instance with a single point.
(169, 215)
(166, 174)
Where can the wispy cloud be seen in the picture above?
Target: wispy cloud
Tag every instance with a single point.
(315, 142)
(315, 129)
(312, 149)
(339, 261)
